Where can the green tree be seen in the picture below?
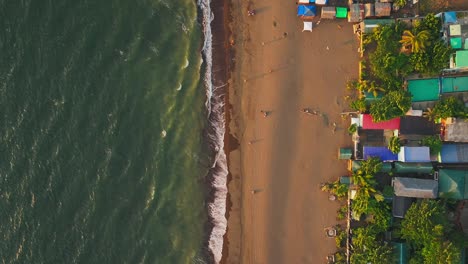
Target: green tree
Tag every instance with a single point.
(424, 222)
(393, 104)
(359, 105)
(367, 249)
(394, 145)
(433, 142)
(449, 107)
(336, 188)
(415, 42)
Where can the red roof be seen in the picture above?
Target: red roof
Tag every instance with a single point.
(368, 123)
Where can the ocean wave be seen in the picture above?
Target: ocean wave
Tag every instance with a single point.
(217, 175)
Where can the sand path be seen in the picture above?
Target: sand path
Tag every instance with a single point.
(285, 156)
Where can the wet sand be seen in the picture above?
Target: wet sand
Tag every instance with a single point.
(277, 211)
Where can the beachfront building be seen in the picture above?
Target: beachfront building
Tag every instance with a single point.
(455, 130)
(453, 184)
(415, 188)
(454, 153)
(455, 28)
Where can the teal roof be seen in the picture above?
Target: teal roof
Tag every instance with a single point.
(356, 165)
(456, 43)
(453, 184)
(454, 84)
(461, 58)
(368, 25)
(406, 167)
(401, 251)
(371, 97)
(424, 89)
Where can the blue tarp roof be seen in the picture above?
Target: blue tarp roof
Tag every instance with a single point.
(450, 17)
(306, 10)
(454, 153)
(381, 152)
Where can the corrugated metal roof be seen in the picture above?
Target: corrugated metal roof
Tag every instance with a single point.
(368, 123)
(454, 153)
(383, 9)
(400, 205)
(416, 125)
(414, 154)
(453, 184)
(417, 188)
(456, 132)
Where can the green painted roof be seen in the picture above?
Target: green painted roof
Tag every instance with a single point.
(461, 58)
(341, 12)
(424, 89)
(455, 84)
(453, 184)
(456, 43)
(407, 167)
(401, 251)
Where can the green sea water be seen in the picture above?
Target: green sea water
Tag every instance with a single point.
(102, 112)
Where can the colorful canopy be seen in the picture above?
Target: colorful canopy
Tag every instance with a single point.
(306, 10)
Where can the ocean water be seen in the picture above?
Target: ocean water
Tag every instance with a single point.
(102, 133)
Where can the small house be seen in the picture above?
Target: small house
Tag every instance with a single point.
(416, 188)
(328, 12)
(424, 89)
(383, 153)
(306, 11)
(454, 84)
(453, 184)
(367, 122)
(414, 154)
(417, 167)
(356, 13)
(400, 205)
(454, 153)
(417, 125)
(456, 131)
(369, 10)
(383, 9)
(368, 25)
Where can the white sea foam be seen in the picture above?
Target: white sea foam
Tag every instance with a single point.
(186, 64)
(218, 173)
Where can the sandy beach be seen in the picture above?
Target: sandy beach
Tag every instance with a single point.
(277, 211)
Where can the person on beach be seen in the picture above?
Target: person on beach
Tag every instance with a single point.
(251, 12)
(309, 112)
(265, 113)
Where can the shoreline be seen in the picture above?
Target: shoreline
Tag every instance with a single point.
(271, 76)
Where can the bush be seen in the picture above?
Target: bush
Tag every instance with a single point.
(394, 145)
(393, 104)
(359, 105)
(449, 107)
(352, 129)
(433, 142)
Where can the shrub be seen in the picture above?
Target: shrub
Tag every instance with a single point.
(352, 129)
(433, 142)
(359, 105)
(393, 104)
(449, 107)
(394, 145)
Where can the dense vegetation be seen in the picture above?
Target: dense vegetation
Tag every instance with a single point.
(426, 229)
(430, 234)
(396, 51)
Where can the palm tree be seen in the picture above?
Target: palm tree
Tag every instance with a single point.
(417, 42)
(374, 89)
(429, 114)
